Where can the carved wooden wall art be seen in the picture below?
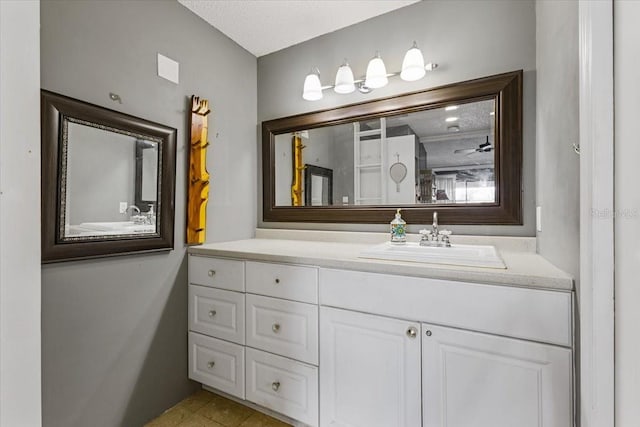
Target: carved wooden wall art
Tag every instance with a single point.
(298, 167)
(198, 175)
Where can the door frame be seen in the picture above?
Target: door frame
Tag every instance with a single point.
(596, 289)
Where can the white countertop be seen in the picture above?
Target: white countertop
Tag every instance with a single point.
(525, 268)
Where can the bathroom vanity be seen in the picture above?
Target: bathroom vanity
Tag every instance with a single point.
(296, 322)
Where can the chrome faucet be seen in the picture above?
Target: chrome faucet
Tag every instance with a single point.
(435, 237)
(137, 209)
(434, 227)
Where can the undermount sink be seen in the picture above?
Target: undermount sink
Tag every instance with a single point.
(462, 255)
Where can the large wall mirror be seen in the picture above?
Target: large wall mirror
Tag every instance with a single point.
(108, 181)
(456, 149)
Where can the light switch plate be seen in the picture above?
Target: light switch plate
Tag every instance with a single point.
(168, 69)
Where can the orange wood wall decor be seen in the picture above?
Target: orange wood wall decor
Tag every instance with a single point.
(298, 167)
(198, 175)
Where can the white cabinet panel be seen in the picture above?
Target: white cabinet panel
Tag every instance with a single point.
(216, 272)
(218, 364)
(283, 327)
(283, 385)
(217, 313)
(473, 379)
(291, 282)
(370, 370)
(532, 314)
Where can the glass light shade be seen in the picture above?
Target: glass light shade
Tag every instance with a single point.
(344, 80)
(376, 74)
(312, 87)
(413, 65)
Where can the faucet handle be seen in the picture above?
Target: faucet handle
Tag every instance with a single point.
(445, 233)
(425, 232)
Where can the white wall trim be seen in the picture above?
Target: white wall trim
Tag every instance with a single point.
(596, 214)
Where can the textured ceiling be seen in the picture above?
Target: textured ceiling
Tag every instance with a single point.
(265, 26)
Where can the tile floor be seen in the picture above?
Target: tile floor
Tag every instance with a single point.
(204, 409)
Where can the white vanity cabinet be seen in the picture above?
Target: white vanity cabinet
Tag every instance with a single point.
(348, 348)
(370, 370)
(253, 333)
(474, 379)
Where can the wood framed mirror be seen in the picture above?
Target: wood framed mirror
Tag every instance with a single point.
(459, 147)
(108, 181)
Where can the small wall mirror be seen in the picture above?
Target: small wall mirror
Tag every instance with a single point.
(456, 149)
(318, 186)
(108, 181)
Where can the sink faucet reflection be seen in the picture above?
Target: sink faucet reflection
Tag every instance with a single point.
(137, 218)
(435, 237)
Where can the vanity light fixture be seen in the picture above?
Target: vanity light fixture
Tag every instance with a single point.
(493, 113)
(450, 119)
(413, 69)
(451, 108)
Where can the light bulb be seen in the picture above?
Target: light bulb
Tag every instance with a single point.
(376, 73)
(312, 87)
(413, 65)
(344, 79)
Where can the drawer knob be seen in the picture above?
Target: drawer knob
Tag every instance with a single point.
(428, 333)
(212, 313)
(277, 280)
(275, 385)
(412, 332)
(275, 328)
(211, 364)
(212, 273)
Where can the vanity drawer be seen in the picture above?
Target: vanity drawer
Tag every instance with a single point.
(216, 363)
(217, 313)
(283, 385)
(283, 327)
(292, 282)
(533, 314)
(216, 272)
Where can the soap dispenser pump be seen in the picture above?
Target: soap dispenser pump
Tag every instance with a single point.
(398, 229)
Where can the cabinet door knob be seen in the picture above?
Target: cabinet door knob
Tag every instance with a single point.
(277, 280)
(212, 313)
(275, 385)
(212, 273)
(412, 332)
(428, 333)
(211, 364)
(275, 328)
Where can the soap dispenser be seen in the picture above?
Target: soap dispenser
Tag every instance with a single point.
(398, 229)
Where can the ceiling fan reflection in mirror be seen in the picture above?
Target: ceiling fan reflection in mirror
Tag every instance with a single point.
(485, 147)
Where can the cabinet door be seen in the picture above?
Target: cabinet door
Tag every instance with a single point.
(477, 380)
(370, 370)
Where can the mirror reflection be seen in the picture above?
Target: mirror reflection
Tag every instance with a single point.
(435, 156)
(110, 185)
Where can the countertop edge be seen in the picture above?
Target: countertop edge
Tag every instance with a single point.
(479, 276)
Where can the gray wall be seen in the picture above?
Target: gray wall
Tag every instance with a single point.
(114, 330)
(626, 16)
(469, 39)
(558, 167)
(20, 290)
